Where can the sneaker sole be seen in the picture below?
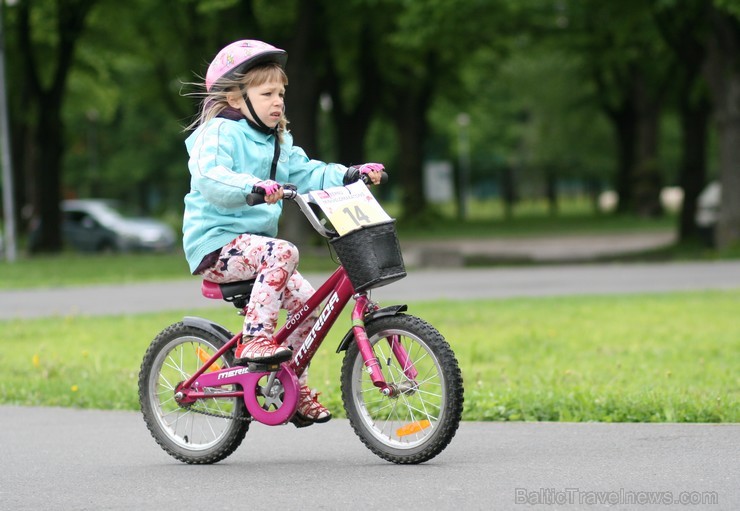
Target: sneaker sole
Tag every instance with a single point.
(278, 357)
(313, 421)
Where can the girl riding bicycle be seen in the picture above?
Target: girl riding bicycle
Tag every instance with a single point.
(240, 144)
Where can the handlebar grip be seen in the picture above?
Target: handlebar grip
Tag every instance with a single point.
(255, 199)
(257, 196)
(383, 178)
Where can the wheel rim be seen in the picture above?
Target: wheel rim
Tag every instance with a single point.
(185, 426)
(412, 418)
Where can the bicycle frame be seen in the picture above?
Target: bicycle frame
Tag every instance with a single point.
(337, 291)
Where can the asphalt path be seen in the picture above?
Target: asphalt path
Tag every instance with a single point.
(64, 459)
(80, 459)
(424, 284)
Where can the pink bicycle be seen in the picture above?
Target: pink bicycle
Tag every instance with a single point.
(401, 385)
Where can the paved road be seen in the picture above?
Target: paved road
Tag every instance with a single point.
(428, 284)
(61, 459)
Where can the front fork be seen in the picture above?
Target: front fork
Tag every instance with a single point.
(363, 306)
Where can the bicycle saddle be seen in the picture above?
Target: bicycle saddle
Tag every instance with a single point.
(234, 292)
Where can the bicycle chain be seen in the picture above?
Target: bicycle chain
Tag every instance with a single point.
(295, 420)
(298, 422)
(248, 418)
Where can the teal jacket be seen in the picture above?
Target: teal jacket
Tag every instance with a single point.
(226, 159)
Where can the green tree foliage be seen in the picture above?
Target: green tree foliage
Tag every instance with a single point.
(101, 92)
(630, 65)
(535, 125)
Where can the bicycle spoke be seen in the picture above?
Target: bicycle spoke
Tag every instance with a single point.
(169, 385)
(177, 369)
(422, 411)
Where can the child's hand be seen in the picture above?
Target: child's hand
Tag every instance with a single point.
(373, 171)
(273, 191)
(274, 197)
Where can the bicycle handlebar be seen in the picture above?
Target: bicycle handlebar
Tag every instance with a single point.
(257, 196)
(290, 193)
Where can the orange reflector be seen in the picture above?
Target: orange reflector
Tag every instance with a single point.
(413, 427)
(203, 356)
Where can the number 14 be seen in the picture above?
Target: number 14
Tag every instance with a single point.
(359, 217)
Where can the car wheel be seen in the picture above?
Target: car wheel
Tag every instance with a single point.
(106, 247)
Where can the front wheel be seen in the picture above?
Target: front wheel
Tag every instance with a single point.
(205, 431)
(420, 417)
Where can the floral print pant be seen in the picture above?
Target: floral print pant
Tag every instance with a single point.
(272, 263)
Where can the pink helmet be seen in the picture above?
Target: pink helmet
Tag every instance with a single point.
(239, 57)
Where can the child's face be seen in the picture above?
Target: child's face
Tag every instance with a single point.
(268, 101)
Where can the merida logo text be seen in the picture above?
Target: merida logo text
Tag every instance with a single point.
(233, 372)
(333, 299)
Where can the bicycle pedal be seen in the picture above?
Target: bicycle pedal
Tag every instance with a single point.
(263, 367)
(301, 423)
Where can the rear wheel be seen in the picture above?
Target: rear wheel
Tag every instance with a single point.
(422, 415)
(205, 431)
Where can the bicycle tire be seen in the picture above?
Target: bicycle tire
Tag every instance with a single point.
(188, 433)
(418, 423)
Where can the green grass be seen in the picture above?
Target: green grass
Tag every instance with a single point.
(70, 268)
(73, 269)
(634, 358)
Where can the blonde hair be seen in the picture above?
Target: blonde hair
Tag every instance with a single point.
(216, 101)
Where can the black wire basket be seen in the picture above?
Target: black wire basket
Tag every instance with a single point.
(371, 256)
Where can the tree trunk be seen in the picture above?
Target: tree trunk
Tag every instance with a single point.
(302, 107)
(46, 102)
(647, 176)
(684, 28)
(551, 191)
(408, 109)
(305, 84)
(351, 131)
(624, 121)
(692, 172)
(724, 77)
(411, 126)
(509, 191)
(48, 174)
(636, 122)
(353, 121)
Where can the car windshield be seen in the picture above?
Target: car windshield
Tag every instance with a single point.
(107, 213)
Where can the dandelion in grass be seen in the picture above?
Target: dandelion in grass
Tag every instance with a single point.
(36, 360)
(74, 388)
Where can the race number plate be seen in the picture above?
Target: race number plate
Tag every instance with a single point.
(350, 207)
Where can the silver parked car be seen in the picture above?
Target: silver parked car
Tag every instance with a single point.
(97, 225)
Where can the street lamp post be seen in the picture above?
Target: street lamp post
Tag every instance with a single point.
(7, 171)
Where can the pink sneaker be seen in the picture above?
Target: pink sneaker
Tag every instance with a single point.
(260, 349)
(309, 408)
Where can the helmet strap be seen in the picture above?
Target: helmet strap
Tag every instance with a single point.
(256, 122)
(262, 127)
